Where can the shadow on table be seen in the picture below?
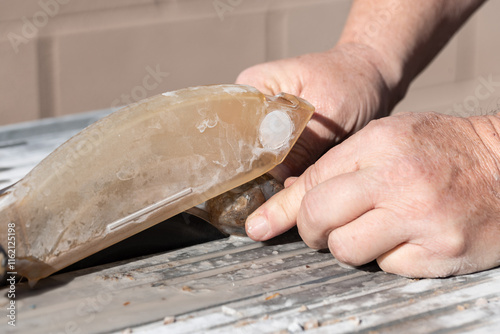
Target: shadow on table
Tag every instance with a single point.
(293, 236)
(177, 232)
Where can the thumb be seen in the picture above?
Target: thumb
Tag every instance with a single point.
(279, 213)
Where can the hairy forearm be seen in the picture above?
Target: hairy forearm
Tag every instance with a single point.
(405, 35)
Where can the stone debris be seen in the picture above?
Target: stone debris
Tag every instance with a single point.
(169, 320)
(230, 311)
(303, 308)
(311, 324)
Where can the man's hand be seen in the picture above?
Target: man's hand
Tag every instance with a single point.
(420, 193)
(345, 86)
(365, 74)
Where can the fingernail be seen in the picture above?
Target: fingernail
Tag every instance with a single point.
(257, 227)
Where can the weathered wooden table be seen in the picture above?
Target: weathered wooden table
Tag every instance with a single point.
(229, 285)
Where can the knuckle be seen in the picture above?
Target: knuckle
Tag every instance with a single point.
(383, 136)
(285, 207)
(306, 219)
(409, 168)
(311, 176)
(307, 210)
(341, 251)
(454, 245)
(312, 223)
(381, 127)
(406, 173)
(313, 244)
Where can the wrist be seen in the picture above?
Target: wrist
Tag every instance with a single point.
(386, 77)
(389, 67)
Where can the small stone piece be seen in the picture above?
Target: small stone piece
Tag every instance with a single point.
(243, 323)
(255, 266)
(355, 320)
(169, 320)
(230, 311)
(311, 324)
(330, 322)
(277, 294)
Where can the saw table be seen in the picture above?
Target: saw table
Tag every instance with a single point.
(184, 277)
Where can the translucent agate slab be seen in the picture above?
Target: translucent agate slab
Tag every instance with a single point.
(143, 164)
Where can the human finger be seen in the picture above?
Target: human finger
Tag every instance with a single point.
(279, 213)
(418, 260)
(334, 203)
(289, 181)
(368, 237)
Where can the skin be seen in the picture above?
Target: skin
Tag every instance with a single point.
(416, 192)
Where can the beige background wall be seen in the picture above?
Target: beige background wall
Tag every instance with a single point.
(61, 57)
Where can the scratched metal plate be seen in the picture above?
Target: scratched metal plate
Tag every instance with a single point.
(231, 285)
